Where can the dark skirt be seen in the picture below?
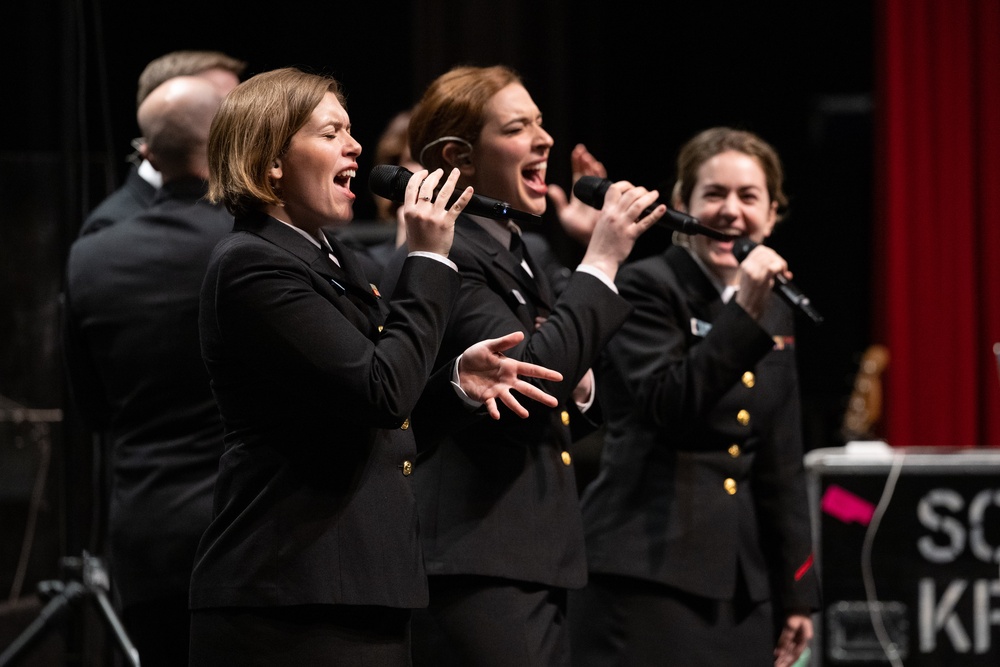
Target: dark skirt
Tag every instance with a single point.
(490, 622)
(624, 621)
(329, 635)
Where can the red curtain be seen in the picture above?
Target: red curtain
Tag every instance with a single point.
(937, 256)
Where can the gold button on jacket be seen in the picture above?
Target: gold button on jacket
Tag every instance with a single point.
(405, 425)
(730, 486)
(749, 379)
(743, 417)
(565, 418)
(566, 458)
(734, 450)
(407, 468)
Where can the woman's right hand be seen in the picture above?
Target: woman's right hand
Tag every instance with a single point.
(430, 226)
(756, 276)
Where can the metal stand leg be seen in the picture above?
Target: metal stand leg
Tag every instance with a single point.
(94, 586)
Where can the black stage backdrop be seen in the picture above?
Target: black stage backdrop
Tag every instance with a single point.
(630, 80)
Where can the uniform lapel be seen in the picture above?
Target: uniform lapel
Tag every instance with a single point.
(541, 279)
(505, 261)
(346, 280)
(352, 271)
(700, 293)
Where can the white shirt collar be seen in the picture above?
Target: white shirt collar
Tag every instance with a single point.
(325, 245)
(726, 292)
(149, 174)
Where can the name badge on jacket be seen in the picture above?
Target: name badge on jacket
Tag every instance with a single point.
(700, 328)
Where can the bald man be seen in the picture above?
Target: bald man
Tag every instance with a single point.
(136, 375)
(175, 118)
(142, 180)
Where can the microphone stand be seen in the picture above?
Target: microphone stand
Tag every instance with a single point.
(87, 580)
(93, 585)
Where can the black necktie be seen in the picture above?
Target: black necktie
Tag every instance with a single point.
(517, 246)
(520, 251)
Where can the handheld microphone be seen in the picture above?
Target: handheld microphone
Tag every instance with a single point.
(792, 294)
(389, 181)
(591, 190)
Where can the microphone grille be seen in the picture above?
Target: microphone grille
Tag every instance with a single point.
(742, 247)
(389, 181)
(591, 190)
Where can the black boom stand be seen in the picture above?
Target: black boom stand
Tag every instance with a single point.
(90, 582)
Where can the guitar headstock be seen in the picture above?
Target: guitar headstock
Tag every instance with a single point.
(864, 407)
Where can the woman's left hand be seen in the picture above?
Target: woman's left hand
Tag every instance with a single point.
(577, 218)
(485, 375)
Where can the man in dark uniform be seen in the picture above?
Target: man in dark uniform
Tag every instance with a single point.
(142, 180)
(136, 373)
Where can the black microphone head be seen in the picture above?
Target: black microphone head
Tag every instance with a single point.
(389, 181)
(591, 190)
(741, 247)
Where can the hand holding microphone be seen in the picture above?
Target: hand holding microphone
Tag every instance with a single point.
(591, 190)
(757, 278)
(788, 290)
(430, 225)
(389, 181)
(628, 212)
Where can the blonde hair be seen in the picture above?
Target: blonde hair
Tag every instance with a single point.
(255, 126)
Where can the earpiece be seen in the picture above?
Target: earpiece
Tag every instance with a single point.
(460, 159)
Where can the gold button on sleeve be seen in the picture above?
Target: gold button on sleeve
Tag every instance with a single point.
(565, 418)
(407, 468)
(749, 380)
(734, 450)
(743, 417)
(730, 486)
(380, 327)
(566, 458)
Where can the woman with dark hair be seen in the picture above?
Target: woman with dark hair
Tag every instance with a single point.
(697, 525)
(312, 556)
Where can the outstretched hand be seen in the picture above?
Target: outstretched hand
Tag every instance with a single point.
(577, 218)
(485, 374)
